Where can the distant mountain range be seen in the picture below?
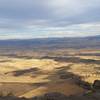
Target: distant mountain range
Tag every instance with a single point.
(52, 43)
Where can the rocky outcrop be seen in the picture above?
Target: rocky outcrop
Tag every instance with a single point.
(96, 85)
(59, 96)
(52, 96)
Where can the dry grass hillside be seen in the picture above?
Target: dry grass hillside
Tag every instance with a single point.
(31, 76)
(35, 67)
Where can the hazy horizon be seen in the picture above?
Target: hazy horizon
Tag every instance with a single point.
(34, 38)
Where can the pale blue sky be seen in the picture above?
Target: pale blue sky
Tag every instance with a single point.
(49, 18)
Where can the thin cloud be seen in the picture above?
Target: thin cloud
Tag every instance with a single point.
(49, 17)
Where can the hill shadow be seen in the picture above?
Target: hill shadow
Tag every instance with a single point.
(73, 60)
(32, 71)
